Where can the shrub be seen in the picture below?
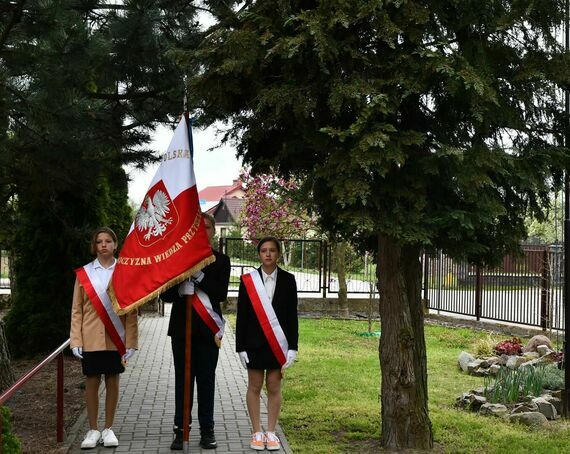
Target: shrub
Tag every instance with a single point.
(553, 377)
(484, 346)
(10, 444)
(510, 385)
(509, 347)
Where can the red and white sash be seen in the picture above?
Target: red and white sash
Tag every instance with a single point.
(97, 293)
(266, 315)
(201, 302)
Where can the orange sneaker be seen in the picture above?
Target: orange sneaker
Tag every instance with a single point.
(272, 442)
(257, 441)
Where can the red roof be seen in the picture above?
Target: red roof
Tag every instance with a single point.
(215, 193)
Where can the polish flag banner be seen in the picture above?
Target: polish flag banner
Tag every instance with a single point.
(167, 242)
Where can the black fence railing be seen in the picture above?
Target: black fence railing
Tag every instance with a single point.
(315, 264)
(525, 289)
(302, 257)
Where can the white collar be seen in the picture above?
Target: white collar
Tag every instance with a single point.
(273, 275)
(97, 264)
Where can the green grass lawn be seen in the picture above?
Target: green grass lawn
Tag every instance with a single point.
(331, 396)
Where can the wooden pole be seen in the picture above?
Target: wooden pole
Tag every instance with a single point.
(566, 288)
(187, 374)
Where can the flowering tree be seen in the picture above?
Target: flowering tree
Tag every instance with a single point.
(270, 209)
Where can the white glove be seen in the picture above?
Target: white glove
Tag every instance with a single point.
(129, 354)
(186, 288)
(291, 355)
(198, 276)
(77, 352)
(244, 359)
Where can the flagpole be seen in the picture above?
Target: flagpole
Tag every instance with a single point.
(566, 392)
(188, 334)
(187, 374)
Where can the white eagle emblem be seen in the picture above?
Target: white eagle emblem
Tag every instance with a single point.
(153, 216)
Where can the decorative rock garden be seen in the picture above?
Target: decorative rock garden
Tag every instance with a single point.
(522, 384)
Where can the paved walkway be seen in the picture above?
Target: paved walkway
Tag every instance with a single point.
(145, 413)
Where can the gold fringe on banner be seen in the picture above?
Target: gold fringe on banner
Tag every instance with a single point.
(158, 291)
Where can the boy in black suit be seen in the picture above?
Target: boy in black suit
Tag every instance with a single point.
(212, 280)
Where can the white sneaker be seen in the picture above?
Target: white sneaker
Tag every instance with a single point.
(91, 440)
(109, 438)
(257, 441)
(272, 442)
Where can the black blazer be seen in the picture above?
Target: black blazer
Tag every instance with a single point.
(249, 334)
(215, 285)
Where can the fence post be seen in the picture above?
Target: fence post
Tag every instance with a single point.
(325, 247)
(221, 244)
(426, 304)
(59, 398)
(544, 288)
(478, 292)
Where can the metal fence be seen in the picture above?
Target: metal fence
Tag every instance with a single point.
(304, 258)
(525, 289)
(4, 270)
(313, 262)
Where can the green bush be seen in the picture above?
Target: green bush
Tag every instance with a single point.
(10, 444)
(553, 377)
(510, 385)
(485, 346)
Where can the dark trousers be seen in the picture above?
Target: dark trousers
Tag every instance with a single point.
(203, 371)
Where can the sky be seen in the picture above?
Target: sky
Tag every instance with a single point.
(215, 167)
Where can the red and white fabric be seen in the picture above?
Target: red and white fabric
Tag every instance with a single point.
(203, 306)
(96, 291)
(167, 242)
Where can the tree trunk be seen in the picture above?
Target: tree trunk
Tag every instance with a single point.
(339, 251)
(6, 372)
(405, 419)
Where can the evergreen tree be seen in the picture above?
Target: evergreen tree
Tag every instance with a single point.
(82, 84)
(414, 125)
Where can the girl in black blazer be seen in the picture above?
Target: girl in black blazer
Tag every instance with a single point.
(252, 345)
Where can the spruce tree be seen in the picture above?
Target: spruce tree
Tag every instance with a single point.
(82, 84)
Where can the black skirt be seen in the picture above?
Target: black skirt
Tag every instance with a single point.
(262, 358)
(102, 362)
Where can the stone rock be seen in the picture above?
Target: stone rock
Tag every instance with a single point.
(475, 402)
(546, 359)
(480, 391)
(531, 418)
(475, 364)
(543, 350)
(494, 369)
(464, 359)
(488, 409)
(525, 408)
(502, 360)
(535, 341)
(514, 361)
(488, 362)
(463, 400)
(480, 372)
(546, 408)
(555, 401)
(531, 355)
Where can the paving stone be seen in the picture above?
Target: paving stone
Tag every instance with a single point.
(145, 413)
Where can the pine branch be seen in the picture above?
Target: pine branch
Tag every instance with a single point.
(16, 16)
(124, 96)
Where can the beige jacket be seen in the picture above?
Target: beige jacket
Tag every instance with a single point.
(87, 329)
